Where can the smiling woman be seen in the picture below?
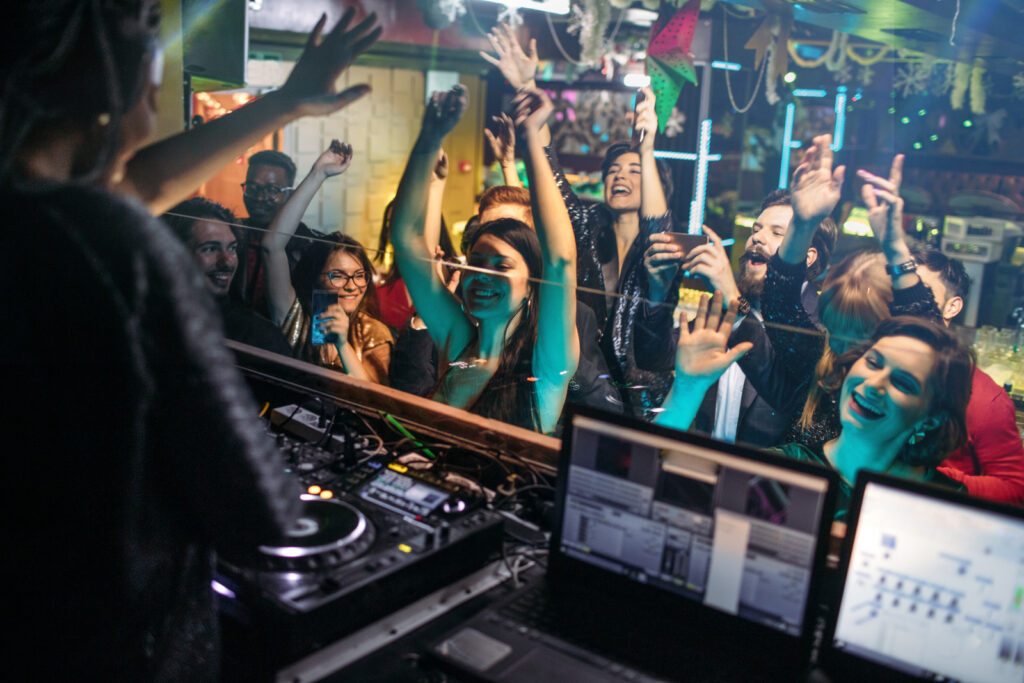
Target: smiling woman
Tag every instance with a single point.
(902, 404)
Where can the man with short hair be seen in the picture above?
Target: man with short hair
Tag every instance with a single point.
(269, 182)
(754, 400)
(991, 463)
(208, 231)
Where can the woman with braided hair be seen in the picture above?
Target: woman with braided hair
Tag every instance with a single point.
(153, 458)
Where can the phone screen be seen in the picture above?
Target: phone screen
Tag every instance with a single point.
(322, 298)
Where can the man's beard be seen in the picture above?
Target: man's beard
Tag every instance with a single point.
(751, 284)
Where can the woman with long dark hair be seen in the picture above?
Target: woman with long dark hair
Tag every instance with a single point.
(154, 457)
(355, 340)
(512, 349)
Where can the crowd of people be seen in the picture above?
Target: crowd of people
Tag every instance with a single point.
(554, 299)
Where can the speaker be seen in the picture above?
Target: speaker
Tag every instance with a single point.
(215, 43)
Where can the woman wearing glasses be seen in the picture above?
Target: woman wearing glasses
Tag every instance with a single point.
(356, 342)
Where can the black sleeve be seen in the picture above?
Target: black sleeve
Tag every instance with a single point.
(414, 362)
(778, 385)
(790, 328)
(917, 300)
(211, 447)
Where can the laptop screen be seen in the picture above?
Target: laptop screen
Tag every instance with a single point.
(935, 588)
(735, 534)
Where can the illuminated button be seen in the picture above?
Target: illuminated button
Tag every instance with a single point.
(397, 467)
(327, 494)
(314, 490)
(405, 548)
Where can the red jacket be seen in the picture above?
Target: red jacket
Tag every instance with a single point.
(991, 464)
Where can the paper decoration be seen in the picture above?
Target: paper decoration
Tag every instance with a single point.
(911, 79)
(770, 42)
(1018, 85)
(669, 62)
(589, 21)
(675, 124)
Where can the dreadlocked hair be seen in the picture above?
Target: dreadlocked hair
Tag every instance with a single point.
(48, 74)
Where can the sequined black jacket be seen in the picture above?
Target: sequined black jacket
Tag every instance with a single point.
(127, 416)
(592, 225)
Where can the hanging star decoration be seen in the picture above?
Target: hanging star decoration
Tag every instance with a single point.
(669, 62)
(675, 124)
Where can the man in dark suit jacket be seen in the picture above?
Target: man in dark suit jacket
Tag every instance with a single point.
(745, 404)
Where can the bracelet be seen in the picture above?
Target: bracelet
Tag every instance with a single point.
(742, 305)
(902, 268)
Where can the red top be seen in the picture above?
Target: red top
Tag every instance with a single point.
(395, 307)
(991, 464)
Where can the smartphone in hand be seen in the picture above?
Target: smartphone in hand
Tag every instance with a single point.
(322, 298)
(686, 241)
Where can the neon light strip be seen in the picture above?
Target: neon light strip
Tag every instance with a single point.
(552, 6)
(806, 92)
(837, 136)
(684, 156)
(700, 183)
(787, 140)
(728, 66)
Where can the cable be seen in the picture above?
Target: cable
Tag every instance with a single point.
(728, 84)
(952, 30)
(516, 493)
(406, 433)
(558, 43)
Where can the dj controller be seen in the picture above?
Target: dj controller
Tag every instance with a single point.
(377, 531)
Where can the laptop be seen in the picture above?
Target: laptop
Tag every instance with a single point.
(672, 556)
(932, 587)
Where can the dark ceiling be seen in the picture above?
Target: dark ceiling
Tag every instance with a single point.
(990, 29)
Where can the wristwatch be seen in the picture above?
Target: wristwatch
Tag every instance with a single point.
(742, 305)
(902, 268)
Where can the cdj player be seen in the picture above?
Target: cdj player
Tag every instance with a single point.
(373, 536)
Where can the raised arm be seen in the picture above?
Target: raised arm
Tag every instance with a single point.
(645, 126)
(816, 191)
(701, 358)
(435, 197)
(280, 293)
(557, 351)
(166, 172)
(414, 253)
(517, 66)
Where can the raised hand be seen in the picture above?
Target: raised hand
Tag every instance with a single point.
(333, 322)
(661, 260)
(517, 66)
(703, 354)
(440, 168)
(335, 160)
(816, 186)
(710, 262)
(443, 111)
(885, 206)
(533, 109)
(310, 90)
(503, 145)
(645, 120)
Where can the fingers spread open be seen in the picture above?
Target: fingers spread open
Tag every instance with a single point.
(699, 323)
(715, 311)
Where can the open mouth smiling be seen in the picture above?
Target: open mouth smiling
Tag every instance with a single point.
(865, 409)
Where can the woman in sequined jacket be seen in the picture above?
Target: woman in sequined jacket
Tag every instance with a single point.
(611, 238)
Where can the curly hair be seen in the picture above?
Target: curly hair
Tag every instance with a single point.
(181, 217)
(949, 385)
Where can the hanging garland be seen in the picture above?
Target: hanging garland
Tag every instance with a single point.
(851, 52)
(835, 56)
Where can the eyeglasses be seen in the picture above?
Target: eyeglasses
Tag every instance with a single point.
(257, 190)
(340, 278)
